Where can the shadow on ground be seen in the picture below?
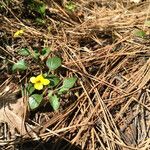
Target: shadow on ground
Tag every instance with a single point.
(49, 145)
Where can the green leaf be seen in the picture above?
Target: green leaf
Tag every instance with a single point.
(54, 80)
(37, 6)
(54, 101)
(35, 50)
(147, 23)
(36, 53)
(30, 88)
(41, 8)
(46, 51)
(67, 84)
(40, 21)
(139, 33)
(34, 101)
(20, 66)
(50, 93)
(53, 63)
(24, 52)
(70, 6)
(63, 91)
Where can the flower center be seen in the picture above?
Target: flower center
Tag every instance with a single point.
(38, 81)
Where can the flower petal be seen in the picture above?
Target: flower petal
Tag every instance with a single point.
(18, 33)
(33, 80)
(38, 86)
(45, 81)
(39, 78)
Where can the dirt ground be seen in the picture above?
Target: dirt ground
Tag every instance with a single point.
(106, 45)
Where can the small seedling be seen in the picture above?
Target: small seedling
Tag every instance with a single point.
(37, 8)
(70, 6)
(49, 85)
(139, 33)
(40, 21)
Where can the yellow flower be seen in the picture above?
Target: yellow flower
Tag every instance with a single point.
(39, 81)
(18, 33)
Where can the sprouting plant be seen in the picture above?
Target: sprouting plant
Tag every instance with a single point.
(139, 33)
(47, 84)
(37, 6)
(51, 81)
(37, 10)
(70, 6)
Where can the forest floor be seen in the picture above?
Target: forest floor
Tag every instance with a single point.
(105, 45)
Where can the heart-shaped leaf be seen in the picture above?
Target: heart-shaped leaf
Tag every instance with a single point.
(20, 66)
(34, 101)
(67, 84)
(53, 63)
(54, 101)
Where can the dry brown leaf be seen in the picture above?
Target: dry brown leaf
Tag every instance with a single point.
(12, 114)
